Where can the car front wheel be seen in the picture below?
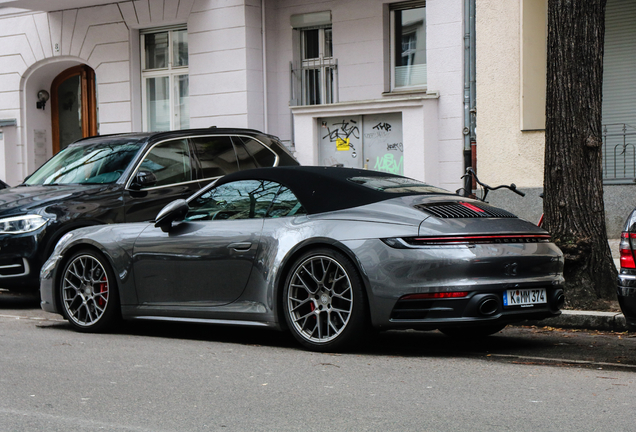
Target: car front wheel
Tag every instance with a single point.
(324, 302)
(88, 292)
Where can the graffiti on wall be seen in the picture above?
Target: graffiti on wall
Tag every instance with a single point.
(383, 126)
(395, 147)
(343, 130)
(376, 137)
(341, 134)
(389, 164)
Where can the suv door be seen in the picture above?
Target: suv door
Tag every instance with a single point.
(165, 173)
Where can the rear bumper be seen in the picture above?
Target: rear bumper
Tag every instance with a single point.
(396, 276)
(479, 308)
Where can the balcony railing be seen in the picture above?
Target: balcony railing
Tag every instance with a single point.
(619, 153)
(315, 82)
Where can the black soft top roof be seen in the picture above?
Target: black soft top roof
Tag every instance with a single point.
(324, 189)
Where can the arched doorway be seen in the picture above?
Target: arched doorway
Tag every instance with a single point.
(73, 106)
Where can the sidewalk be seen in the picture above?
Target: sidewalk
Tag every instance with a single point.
(585, 320)
(589, 320)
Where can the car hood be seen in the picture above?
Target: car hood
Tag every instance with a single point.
(18, 200)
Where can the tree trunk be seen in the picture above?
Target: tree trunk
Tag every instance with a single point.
(574, 209)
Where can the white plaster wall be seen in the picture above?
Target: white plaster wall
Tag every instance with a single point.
(504, 153)
(225, 49)
(445, 60)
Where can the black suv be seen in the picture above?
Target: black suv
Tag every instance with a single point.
(116, 178)
(627, 274)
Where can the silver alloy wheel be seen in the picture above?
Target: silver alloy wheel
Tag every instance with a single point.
(320, 299)
(85, 290)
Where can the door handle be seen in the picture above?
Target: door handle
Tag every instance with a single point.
(240, 246)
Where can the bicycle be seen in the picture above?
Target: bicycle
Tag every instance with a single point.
(467, 189)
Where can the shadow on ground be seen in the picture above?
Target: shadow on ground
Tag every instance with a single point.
(520, 344)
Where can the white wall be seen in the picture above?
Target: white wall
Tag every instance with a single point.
(505, 154)
(225, 48)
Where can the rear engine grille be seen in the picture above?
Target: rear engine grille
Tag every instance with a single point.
(464, 210)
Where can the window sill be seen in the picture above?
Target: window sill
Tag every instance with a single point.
(408, 91)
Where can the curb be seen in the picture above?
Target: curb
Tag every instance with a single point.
(585, 320)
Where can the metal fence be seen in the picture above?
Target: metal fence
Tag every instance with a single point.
(619, 153)
(315, 82)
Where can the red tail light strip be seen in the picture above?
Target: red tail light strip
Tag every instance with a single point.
(428, 296)
(506, 238)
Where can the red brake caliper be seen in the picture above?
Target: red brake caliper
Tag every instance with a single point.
(102, 288)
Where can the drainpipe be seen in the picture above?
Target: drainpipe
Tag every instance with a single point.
(264, 39)
(469, 90)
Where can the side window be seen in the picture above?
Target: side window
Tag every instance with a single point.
(285, 204)
(244, 199)
(253, 154)
(169, 162)
(216, 155)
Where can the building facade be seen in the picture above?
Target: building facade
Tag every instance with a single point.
(511, 91)
(375, 84)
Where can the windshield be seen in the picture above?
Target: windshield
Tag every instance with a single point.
(98, 163)
(396, 185)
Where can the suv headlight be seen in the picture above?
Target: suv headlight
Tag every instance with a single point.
(21, 224)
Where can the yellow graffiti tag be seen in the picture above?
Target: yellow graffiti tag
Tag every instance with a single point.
(342, 144)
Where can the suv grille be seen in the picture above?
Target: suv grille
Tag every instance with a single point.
(464, 210)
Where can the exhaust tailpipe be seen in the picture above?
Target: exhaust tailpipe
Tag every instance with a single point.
(488, 307)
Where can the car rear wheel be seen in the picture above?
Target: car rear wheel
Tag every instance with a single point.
(88, 293)
(324, 302)
(473, 332)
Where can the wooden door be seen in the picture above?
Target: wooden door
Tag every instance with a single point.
(73, 106)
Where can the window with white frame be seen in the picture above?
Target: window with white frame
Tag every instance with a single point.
(408, 45)
(165, 79)
(314, 70)
(317, 66)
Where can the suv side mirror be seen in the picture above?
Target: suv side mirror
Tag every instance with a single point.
(143, 179)
(175, 211)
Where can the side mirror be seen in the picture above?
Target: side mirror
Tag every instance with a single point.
(175, 211)
(143, 179)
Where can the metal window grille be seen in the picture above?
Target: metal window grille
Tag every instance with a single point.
(314, 80)
(619, 153)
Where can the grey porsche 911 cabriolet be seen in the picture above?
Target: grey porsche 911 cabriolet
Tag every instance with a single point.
(327, 253)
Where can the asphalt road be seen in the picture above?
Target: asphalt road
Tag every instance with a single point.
(167, 377)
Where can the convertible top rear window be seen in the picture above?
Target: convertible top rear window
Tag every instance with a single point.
(326, 189)
(396, 185)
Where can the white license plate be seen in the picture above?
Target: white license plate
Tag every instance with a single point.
(521, 297)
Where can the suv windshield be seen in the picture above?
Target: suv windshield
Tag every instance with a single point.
(98, 163)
